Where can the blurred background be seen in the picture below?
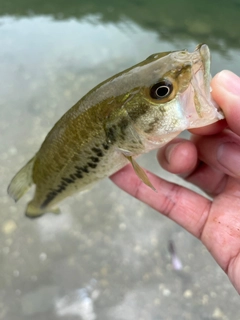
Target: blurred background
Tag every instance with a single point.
(107, 256)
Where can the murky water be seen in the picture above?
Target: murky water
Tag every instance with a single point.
(106, 256)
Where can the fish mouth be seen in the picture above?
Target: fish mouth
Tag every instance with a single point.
(205, 56)
(201, 69)
(206, 109)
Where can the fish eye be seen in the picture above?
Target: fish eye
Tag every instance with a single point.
(161, 89)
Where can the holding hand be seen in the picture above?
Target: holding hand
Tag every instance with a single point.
(211, 161)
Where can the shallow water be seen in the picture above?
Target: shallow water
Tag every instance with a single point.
(99, 259)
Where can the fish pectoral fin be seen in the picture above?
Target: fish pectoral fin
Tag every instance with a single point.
(140, 172)
(34, 212)
(22, 181)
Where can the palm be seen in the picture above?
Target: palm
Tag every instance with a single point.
(216, 223)
(221, 232)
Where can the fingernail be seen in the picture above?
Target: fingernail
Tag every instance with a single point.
(169, 150)
(228, 156)
(230, 81)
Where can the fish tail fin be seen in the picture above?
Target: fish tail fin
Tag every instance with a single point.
(33, 211)
(22, 181)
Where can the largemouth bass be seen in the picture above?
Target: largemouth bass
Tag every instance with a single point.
(133, 112)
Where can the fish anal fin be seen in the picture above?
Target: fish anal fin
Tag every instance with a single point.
(34, 212)
(22, 181)
(140, 172)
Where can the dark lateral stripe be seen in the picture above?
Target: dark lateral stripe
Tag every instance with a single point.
(82, 169)
(111, 134)
(98, 151)
(123, 124)
(48, 199)
(65, 181)
(92, 165)
(105, 146)
(61, 188)
(68, 180)
(78, 175)
(94, 159)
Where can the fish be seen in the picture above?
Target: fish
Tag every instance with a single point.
(135, 111)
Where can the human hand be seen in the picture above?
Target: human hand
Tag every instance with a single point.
(211, 161)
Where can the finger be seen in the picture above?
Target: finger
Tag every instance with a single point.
(185, 207)
(178, 156)
(213, 128)
(221, 151)
(226, 92)
(209, 179)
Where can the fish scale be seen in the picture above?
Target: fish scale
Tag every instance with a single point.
(133, 112)
(90, 167)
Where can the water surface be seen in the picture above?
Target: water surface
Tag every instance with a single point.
(106, 256)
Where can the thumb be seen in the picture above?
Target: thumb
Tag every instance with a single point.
(226, 92)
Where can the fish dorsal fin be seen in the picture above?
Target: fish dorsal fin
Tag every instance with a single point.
(140, 172)
(22, 181)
